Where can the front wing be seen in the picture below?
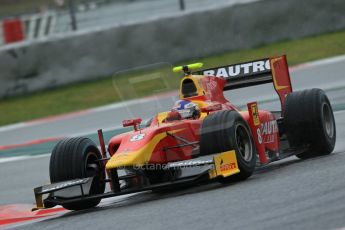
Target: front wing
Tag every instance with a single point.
(77, 190)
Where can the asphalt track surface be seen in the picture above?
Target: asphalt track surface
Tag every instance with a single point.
(290, 194)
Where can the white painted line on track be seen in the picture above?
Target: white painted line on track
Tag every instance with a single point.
(11, 159)
(88, 111)
(265, 99)
(26, 157)
(13, 126)
(320, 62)
(121, 104)
(87, 133)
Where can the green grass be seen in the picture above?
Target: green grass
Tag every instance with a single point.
(144, 82)
(298, 51)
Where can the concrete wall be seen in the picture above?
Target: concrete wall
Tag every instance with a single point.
(85, 56)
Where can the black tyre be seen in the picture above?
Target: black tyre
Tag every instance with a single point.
(309, 122)
(227, 130)
(74, 158)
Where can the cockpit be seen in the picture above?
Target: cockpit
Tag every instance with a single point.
(188, 88)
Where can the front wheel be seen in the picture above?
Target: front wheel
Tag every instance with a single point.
(74, 158)
(227, 130)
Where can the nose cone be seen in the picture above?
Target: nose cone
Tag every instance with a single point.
(139, 157)
(136, 158)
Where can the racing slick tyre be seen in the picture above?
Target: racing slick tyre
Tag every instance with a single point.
(227, 130)
(309, 122)
(74, 158)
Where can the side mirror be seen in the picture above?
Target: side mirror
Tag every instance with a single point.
(132, 122)
(211, 108)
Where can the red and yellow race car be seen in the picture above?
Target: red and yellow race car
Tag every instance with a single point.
(204, 137)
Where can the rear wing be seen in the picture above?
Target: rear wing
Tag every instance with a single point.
(242, 74)
(267, 70)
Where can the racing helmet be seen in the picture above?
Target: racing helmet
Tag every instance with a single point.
(187, 109)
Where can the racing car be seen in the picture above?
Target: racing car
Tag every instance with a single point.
(203, 138)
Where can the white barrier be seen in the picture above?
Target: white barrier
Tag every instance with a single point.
(35, 26)
(39, 25)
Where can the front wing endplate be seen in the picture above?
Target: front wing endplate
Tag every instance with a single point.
(225, 164)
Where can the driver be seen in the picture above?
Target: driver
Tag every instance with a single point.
(187, 109)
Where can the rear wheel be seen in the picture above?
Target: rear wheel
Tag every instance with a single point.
(309, 122)
(75, 158)
(227, 130)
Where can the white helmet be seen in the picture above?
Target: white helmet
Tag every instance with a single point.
(187, 109)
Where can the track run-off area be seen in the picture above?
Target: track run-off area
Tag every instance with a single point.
(289, 194)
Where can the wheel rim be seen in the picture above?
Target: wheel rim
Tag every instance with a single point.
(92, 167)
(243, 142)
(328, 121)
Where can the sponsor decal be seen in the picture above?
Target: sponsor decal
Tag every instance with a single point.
(269, 129)
(255, 113)
(137, 137)
(211, 85)
(240, 70)
(63, 185)
(188, 163)
(226, 167)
